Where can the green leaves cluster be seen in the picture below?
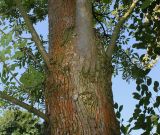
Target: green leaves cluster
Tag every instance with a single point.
(146, 113)
(118, 110)
(14, 122)
(17, 53)
(37, 8)
(32, 77)
(145, 26)
(124, 129)
(146, 3)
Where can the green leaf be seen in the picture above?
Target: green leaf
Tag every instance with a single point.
(139, 81)
(106, 1)
(140, 45)
(118, 115)
(149, 81)
(137, 111)
(136, 96)
(146, 100)
(156, 105)
(120, 108)
(8, 50)
(158, 128)
(158, 99)
(32, 77)
(116, 106)
(18, 54)
(155, 89)
(144, 87)
(138, 88)
(13, 66)
(154, 118)
(123, 129)
(146, 3)
(9, 37)
(156, 84)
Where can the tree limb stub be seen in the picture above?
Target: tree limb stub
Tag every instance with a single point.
(23, 105)
(117, 29)
(33, 32)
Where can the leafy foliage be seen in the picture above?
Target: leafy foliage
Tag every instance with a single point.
(32, 78)
(14, 122)
(37, 8)
(146, 112)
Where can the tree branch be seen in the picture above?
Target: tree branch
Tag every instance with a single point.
(30, 54)
(23, 105)
(117, 29)
(95, 17)
(18, 102)
(33, 32)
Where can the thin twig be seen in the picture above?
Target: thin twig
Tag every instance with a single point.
(104, 31)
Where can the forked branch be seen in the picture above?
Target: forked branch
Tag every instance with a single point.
(117, 29)
(33, 32)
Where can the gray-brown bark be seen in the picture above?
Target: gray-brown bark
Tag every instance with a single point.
(78, 89)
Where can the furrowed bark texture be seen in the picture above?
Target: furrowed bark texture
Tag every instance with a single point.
(78, 88)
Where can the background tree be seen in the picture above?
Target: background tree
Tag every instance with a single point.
(15, 122)
(71, 81)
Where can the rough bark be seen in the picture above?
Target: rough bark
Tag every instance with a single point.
(78, 88)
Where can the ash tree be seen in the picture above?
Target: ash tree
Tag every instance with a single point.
(66, 78)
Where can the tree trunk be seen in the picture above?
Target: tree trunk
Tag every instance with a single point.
(78, 89)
